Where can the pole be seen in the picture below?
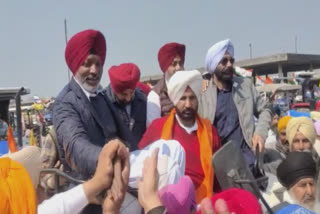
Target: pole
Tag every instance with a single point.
(250, 47)
(18, 112)
(296, 43)
(66, 38)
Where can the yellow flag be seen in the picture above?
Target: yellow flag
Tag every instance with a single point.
(32, 140)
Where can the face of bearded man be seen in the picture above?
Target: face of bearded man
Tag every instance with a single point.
(187, 108)
(225, 71)
(304, 192)
(89, 74)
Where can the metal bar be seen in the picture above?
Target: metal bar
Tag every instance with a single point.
(18, 112)
(62, 174)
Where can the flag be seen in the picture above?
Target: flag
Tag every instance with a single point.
(11, 142)
(32, 140)
(268, 80)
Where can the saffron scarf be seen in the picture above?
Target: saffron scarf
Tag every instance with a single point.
(204, 134)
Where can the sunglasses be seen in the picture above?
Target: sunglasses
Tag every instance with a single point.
(225, 60)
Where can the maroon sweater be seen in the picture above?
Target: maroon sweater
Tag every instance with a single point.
(189, 142)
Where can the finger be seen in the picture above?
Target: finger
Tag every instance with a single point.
(125, 163)
(206, 206)
(221, 207)
(154, 159)
(117, 180)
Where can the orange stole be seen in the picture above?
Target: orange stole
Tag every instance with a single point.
(204, 134)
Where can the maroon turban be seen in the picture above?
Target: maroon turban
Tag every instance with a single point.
(81, 45)
(168, 52)
(124, 76)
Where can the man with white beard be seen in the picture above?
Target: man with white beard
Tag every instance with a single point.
(83, 116)
(297, 173)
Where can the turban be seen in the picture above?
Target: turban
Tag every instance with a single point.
(180, 197)
(238, 201)
(30, 158)
(303, 125)
(216, 53)
(296, 166)
(283, 122)
(17, 192)
(168, 52)
(124, 76)
(317, 127)
(179, 82)
(315, 115)
(81, 45)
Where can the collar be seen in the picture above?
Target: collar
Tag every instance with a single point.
(87, 93)
(189, 130)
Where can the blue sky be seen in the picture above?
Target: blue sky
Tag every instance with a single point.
(32, 33)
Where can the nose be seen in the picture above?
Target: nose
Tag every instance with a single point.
(188, 103)
(229, 63)
(93, 68)
(301, 146)
(178, 67)
(309, 190)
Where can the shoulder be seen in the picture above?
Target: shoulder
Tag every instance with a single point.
(243, 81)
(152, 96)
(158, 123)
(140, 95)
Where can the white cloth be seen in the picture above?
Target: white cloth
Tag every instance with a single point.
(69, 202)
(179, 82)
(216, 53)
(153, 107)
(171, 162)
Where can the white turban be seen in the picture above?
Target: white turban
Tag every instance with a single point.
(179, 82)
(216, 53)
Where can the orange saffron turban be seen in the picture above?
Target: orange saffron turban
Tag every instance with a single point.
(17, 194)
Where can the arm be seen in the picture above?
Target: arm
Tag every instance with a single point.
(262, 112)
(153, 107)
(80, 153)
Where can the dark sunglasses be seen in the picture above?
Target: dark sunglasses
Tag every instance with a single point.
(225, 60)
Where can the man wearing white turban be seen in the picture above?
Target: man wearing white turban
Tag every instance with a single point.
(184, 125)
(231, 103)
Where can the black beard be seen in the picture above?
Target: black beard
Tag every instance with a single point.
(187, 114)
(226, 75)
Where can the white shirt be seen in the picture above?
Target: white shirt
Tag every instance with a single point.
(189, 130)
(153, 107)
(69, 202)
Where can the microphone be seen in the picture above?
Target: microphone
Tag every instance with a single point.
(286, 208)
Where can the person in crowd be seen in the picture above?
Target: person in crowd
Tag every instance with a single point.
(83, 117)
(19, 179)
(144, 87)
(3, 128)
(196, 135)
(171, 59)
(297, 173)
(130, 103)
(272, 133)
(231, 103)
(301, 134)
(317, 142)
(276, 152)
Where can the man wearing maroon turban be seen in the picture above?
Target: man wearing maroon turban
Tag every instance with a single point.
(130, 102)
(83, 117)
(171, 59)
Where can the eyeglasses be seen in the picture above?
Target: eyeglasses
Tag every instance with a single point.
(225, 60)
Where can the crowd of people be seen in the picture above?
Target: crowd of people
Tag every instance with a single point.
(131, 148)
